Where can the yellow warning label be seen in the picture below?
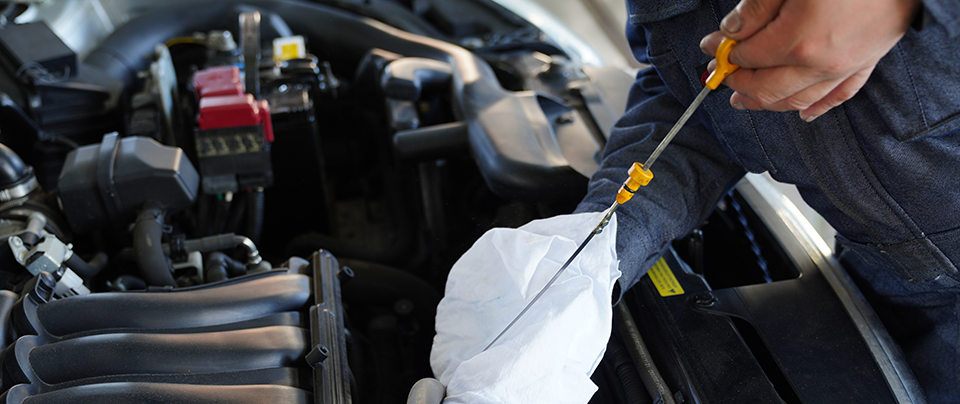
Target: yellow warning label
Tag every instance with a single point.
(663, 279)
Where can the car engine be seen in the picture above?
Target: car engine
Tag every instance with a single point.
(173, 202)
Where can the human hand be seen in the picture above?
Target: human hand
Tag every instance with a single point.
(807, 55)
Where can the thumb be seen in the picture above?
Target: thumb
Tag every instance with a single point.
(748, 17)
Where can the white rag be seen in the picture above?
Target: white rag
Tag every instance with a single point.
(550, 353)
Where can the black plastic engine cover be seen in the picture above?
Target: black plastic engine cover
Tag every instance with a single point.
(789, 341)
(110, 181)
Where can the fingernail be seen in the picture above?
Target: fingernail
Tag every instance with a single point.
(732, 22)
(808, 118)
(739, 105)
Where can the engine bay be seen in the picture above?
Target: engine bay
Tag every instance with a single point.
(164, 189)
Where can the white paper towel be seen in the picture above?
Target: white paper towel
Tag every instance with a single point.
(549, 355)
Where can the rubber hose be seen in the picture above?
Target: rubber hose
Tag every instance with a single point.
(237, 209)
(13, 171)
(87, 269)
(203, 215)
(637, 349)
(633, 387)
(219, 266)
(255, 215)
(99, 261)
(209, 244)
(609, 390)
(148, 246)
(123, 53)
(128, 282)
(221, 211)
(7, 333)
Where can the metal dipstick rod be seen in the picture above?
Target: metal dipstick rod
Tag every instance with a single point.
(596, 230)
(639, 174)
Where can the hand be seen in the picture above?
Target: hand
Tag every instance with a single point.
(807, 55)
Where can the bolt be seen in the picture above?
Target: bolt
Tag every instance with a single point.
(705, 299)
(317, 355)
(403, 307)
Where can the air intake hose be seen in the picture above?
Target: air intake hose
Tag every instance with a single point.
(148, 247)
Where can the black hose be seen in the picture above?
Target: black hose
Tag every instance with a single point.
(219, 266)
(633, 387)
(609, 391)
(7, 333)
(87, 269)
(633, 342)
(209, 244)
(237, 209)
(45, 136)
(203, 215)
(99, 261)
(255, 215)
(13, 171)
(220, 212)
(148, 246)
(127, 282)
(121, 55)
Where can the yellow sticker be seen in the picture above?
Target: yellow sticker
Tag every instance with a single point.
(663, 279)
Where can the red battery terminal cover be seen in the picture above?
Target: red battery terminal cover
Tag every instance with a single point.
(218, 81)
(235, 111)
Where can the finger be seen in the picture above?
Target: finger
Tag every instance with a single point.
(748, 17)
(710, 43)
(845, 91)
(768, 48)
(739, 101)
(768, 87)
(774, 43)
(806, 98)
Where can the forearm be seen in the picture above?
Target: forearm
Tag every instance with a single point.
(690, 176)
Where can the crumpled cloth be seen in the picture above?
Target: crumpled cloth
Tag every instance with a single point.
(550, 353)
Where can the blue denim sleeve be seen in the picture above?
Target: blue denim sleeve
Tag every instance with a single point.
(689, 177)
(943, 12)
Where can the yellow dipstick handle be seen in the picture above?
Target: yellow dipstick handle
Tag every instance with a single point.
(724, 67)
(637, 177)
